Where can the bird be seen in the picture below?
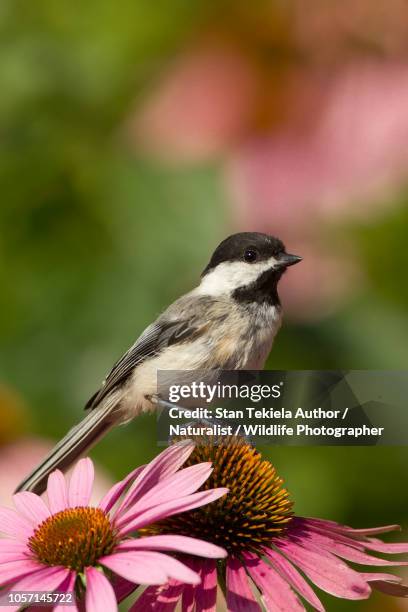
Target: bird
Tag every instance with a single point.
(228, 322)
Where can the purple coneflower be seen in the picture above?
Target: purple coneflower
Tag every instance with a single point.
(274, 557)
(68, 545)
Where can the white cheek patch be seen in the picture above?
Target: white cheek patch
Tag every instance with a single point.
(230, 275)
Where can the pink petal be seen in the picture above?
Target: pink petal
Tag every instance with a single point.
(169, 597)
(12, 546)
(80, 485)
(147, 600)
(129, 523)
(240, 597)
(326, 571)
(68, 586)
(13, 570)
(349, 530)
(122, 587)
(275, 590)
(189, 593)
(206, 591)
(99, 592)
(8, 545)
(32, 507)
(384, 547)
(9, 555)
(139, 571)
(168, 462)
(294, 578)
(306, 529)
(45, 579)
(117, 490)
(14, 525)
(372, 576)
(387, 583)
(57, 492)
(16, 555)
(369, 531)
(144, 567)
(348, 538)
(317, 541)
(176, 485)
(175, 543)
(188, 598)
(162, 599)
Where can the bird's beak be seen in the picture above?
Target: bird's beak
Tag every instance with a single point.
(286, 259)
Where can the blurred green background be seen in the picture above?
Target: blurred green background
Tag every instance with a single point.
(133, 138)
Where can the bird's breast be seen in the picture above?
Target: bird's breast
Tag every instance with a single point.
(241, 341)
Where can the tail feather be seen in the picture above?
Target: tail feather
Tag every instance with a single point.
(77, 441)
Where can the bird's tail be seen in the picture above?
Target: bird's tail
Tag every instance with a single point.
(78, 440)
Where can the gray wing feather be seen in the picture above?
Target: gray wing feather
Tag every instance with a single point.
(153, 339)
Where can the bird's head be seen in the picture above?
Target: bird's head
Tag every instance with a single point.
(247, 266)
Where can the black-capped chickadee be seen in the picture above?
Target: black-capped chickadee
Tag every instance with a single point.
(228, 322)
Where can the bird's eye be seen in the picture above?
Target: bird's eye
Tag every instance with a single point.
(250, 255)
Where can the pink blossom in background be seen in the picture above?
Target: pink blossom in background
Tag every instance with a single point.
(329, 31)
(16, 461)
(18, 458)
(199, 108)
(335, 151)
(48, 546)
(341, 164)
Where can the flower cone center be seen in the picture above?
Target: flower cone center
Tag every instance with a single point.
(256, 508)
(74, 538)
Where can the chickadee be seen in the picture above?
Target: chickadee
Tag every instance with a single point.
(228, 322)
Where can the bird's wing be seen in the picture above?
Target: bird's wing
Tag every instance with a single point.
(158, 335)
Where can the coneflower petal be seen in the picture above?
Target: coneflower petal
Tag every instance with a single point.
(31, 506)
(57, 492)
(99, 592)
(240, 597)
(81, 482)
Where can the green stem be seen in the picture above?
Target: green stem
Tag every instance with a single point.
(221, 571)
